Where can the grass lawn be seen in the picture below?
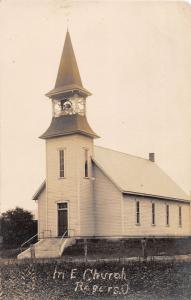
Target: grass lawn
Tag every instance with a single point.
(58, 279)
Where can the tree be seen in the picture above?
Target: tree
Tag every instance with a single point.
(17, 225)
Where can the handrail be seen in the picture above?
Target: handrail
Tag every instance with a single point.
(36, 235)
(42, 233)
(29, 240)
(64, 235)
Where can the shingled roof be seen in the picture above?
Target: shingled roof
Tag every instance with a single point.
(135, 175)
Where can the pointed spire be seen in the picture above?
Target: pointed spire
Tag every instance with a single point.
(68, 77)
(68, 72)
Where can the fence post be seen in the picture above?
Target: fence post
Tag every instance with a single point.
(85, 250)
(144, 245)
(32, 250)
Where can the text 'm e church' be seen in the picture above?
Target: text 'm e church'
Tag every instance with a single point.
(92, 192)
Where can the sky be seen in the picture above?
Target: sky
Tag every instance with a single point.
(135, 58)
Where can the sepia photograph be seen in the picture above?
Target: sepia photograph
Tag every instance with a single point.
(95, 150)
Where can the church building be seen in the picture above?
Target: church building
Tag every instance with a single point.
(95, 192)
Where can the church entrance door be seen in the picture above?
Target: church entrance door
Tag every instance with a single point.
(63, 219)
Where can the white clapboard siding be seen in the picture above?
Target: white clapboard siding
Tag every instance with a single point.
(107, 205)
(160, 228)
(116, 214)
(42, 212)
(96, 206)
(74, 188)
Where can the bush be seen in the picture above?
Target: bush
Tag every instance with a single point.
(17, 225)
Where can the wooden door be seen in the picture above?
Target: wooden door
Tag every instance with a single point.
(62, 221)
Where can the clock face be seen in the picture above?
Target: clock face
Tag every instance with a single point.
(67, 105)
(74, 105)
(62, 107)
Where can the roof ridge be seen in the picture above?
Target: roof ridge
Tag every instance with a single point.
(124, 153)
(171, 188)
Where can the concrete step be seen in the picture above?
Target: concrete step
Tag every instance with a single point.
(48, 247)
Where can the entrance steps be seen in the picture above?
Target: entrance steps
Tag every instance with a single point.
(47, 247)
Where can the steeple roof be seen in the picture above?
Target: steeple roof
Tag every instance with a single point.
(66, 125)
(68, 72)
(68, 78)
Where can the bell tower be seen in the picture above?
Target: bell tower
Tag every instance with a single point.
(68, 98)
(69, 147)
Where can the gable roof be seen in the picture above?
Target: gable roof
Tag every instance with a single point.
(39, 191)
(135, 175)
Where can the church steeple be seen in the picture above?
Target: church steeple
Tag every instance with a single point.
(68, 73)
(68, 77)
(68, 98)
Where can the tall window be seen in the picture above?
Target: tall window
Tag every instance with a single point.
(86, 171)
(167, 214)
(61, 157)
(137, 212)
(180, 215)
(153, 213)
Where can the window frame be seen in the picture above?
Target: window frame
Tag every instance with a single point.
(153, 213)
(86, 163)
(180, 216)
(65, 205)
(167, 215)
(137, 213)
(61, 163)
